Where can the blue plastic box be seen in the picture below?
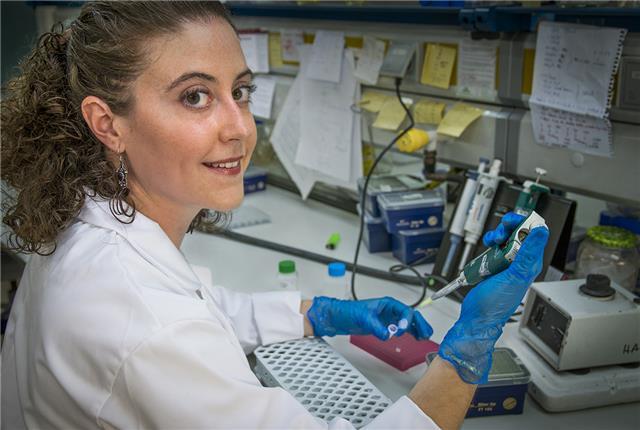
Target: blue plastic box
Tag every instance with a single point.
(375, 235)
(409, 246)
(505, 392)
(412, 210)
(255, 179)
(381, 184)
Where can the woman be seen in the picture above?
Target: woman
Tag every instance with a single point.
(117, 133)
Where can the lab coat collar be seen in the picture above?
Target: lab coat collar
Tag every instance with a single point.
(146, 237)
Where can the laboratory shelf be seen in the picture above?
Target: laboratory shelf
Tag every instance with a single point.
(484, 19)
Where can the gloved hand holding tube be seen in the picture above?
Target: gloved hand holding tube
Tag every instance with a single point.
(330, 317)
(469, 344)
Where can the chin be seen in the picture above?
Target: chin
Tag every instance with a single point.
(226, 204)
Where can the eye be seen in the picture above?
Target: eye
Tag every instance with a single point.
(243, 93)
(197, 98)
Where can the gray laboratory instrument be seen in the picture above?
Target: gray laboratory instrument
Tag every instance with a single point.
(582, 323)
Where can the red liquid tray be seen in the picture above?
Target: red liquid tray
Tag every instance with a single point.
(401, 352)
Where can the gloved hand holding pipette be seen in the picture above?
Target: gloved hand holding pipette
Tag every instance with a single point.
(469, 344)
(383, 318)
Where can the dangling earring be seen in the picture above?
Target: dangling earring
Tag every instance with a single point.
(118, 204)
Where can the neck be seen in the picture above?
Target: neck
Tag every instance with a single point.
(173, 218)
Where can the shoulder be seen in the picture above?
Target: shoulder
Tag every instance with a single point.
(100, 294)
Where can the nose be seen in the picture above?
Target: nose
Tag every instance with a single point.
(235, 122)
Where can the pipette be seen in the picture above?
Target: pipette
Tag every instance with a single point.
(457, 225)
(531, 192)
(487, 187)
(493, 260)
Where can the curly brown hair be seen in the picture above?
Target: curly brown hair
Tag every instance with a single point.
(49, 155)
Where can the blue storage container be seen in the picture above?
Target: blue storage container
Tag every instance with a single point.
(409, 246)
(375, 235)
(255, 179)
(380, 184)
(505, 392)
(412, 210)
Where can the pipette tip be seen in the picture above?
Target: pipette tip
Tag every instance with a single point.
(426, 302)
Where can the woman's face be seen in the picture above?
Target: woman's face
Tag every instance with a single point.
(190, 134)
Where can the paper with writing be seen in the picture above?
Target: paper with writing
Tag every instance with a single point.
(285, 137)
(458, 118)
(326, 56)
(372, 101)
(477, 68)
(369, 60)
(326, 122)
(289, 42)
(262, 98)
(275, 52)
(255, 47)
(583, 133)
(391, 115)
(574, 67)
(428, 112)
(438, 65)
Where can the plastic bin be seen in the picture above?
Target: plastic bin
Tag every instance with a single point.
(504, 393)
(255, 179)
(381, 184)
(409, 246)
(375, 235)
(412, 210)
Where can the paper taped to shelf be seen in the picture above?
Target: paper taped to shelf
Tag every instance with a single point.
(458, 118)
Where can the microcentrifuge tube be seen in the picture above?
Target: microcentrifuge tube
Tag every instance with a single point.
(393, 329)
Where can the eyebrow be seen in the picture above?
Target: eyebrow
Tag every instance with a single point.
(205, 76)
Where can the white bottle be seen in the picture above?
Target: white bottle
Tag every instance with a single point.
(337, 276)
(287, 276)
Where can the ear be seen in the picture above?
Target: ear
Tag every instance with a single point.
(101, 121)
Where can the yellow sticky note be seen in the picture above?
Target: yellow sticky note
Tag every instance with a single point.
(391, 115)
(438, 65)
(372, 101)
(275, 50)
(458, 118)
(426, 112)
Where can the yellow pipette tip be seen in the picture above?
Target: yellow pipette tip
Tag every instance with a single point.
(426, 302)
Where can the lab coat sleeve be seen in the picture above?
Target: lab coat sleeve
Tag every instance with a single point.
(190, 375)
(257, 318)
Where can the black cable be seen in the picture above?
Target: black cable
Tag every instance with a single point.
(363, 200)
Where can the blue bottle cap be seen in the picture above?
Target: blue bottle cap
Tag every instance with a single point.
(336, 269)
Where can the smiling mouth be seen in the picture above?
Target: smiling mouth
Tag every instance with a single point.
(231, 166)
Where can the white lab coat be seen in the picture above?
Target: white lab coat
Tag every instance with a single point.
(116, 330)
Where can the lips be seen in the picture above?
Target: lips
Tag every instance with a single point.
(229, 166)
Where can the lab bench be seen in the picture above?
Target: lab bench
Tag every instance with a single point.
(307, 225)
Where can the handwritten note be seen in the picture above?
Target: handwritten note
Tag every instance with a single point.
(289, 42)
(285, 137)
(574, 67)
(326, 56)
(583, 133)
(573, 85)
(262, 99)
(391, 115)
(427, 112)
(255, 47)
(477, 68)
(438, 65)
(369, 60)
(326, 122)
(458, 118)
(372, 101)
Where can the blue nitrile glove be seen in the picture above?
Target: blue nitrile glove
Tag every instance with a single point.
(330, 317)
(470, 342)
